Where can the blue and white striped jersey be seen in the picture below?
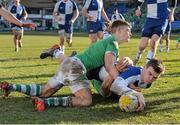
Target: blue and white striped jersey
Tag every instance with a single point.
(65, 9)
(157, 9)
(132, 75)
(94, 8)
(18, 12)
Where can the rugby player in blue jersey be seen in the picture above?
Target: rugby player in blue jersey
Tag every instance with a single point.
(20, 13)
(65, 13)
(131, 79)
(93, 10)
(154, 26)
(11, 18)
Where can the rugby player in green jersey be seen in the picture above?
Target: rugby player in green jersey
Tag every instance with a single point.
(72, 71)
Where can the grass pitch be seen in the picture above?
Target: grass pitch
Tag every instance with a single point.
(162, 99)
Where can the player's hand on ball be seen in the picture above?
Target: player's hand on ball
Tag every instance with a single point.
(141, 102)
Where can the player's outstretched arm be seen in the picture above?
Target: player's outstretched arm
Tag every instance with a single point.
(9, 17)
(29, 25)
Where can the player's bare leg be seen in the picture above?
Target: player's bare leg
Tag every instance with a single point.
(81, 98)
(15, 39)
(167, 42)
(69, 39)
(100, 34)
(93, 37)
(153, 47)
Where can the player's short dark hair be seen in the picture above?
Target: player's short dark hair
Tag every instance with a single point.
(119, 23)
(157, 65)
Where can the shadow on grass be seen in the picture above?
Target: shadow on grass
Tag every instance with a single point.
(26, 77)
(15, 59)
(23, 111)
(38, 65)
(160, 93)
(172, 60)
(152, 105)
(174, 74)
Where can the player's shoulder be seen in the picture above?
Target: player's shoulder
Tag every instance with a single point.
(130, 71)
(134, 69)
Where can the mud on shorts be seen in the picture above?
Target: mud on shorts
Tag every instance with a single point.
(71, 73)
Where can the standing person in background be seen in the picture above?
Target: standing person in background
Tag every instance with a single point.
(65, 13)
(93, 10)
(167, 35)
(116, 15)
(20, 13)
(154, 26)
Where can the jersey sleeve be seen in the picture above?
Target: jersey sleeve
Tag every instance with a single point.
(120, 86)
(113, 48)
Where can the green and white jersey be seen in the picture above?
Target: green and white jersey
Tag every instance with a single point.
(93, 56)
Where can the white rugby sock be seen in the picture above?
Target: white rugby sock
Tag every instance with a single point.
(57, 53)
(62, 48)
(150, 55)
(139, 54)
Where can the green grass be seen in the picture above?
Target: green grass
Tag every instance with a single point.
(162, 99)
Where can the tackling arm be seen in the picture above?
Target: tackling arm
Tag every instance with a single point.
(119, 67)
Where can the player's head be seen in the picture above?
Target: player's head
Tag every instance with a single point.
(152, 71)
(122, 30)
